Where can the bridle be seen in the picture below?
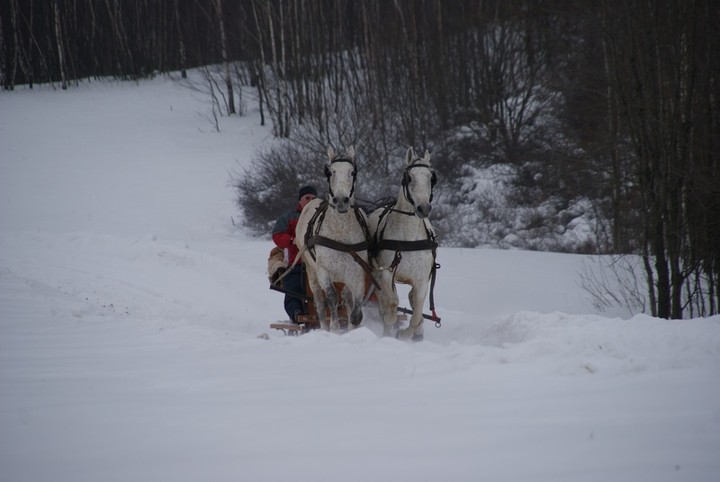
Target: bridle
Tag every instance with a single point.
(406, 183)
(328, 175)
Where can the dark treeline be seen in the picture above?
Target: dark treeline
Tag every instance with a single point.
(617, 102)
(68, 40)
(664, 92)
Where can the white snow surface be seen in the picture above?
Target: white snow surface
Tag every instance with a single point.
(131, 309)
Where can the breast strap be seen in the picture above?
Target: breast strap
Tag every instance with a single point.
(352, 249)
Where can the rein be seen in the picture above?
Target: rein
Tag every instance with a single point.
(406, 213)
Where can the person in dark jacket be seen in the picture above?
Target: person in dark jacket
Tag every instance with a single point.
(283, 236)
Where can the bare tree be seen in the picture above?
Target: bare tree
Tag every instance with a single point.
(658, 54)
(59, 44)
(225, 60)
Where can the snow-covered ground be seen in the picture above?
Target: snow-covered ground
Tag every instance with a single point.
(131, 309)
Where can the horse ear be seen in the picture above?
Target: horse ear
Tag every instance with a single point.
(331, 153)
(409, 156)
(426, 158)
(351, 153)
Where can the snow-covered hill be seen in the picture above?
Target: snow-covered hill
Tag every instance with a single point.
(130, 309)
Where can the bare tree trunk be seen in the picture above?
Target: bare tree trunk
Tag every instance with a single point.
(259, 70)
(276, 102)
(12, 56)
(650, 277)
(59, 43)
(181, 41)
(256, 68)
(226, 62)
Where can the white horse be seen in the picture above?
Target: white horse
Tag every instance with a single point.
(405, 247)
(333, 238)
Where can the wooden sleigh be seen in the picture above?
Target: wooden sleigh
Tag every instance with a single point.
(309, 321)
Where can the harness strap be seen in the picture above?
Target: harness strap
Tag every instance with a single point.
(298, 257)
(418, 245)
(317, 240)
(366, 267)
(336, 245)
(363, 224)
(319, 214)
(397, 245)
(352, 249)
(433, 274)
(294, 294)
(395, 262)
(406, 213)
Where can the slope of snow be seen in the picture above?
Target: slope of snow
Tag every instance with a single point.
(130, 309)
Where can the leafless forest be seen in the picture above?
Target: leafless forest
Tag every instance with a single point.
(614, 102)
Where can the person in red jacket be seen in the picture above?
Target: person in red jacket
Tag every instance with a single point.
(283, 236)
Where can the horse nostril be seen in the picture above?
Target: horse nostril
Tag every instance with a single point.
(342, 203)
(423, 210)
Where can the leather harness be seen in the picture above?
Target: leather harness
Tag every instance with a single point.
(313, 239)
(429, 243)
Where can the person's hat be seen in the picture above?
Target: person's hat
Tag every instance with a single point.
(307, 190)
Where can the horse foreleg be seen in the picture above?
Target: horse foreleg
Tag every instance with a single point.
(416, 297)
(354, 308)
(320, 302)
(332, 300)
(387, 301)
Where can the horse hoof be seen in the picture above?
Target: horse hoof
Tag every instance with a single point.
(418, 337)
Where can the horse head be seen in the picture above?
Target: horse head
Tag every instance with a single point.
(341, 174)
(418, 182)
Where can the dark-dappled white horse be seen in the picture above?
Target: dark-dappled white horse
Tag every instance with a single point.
(405, 246)
(333, 238)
